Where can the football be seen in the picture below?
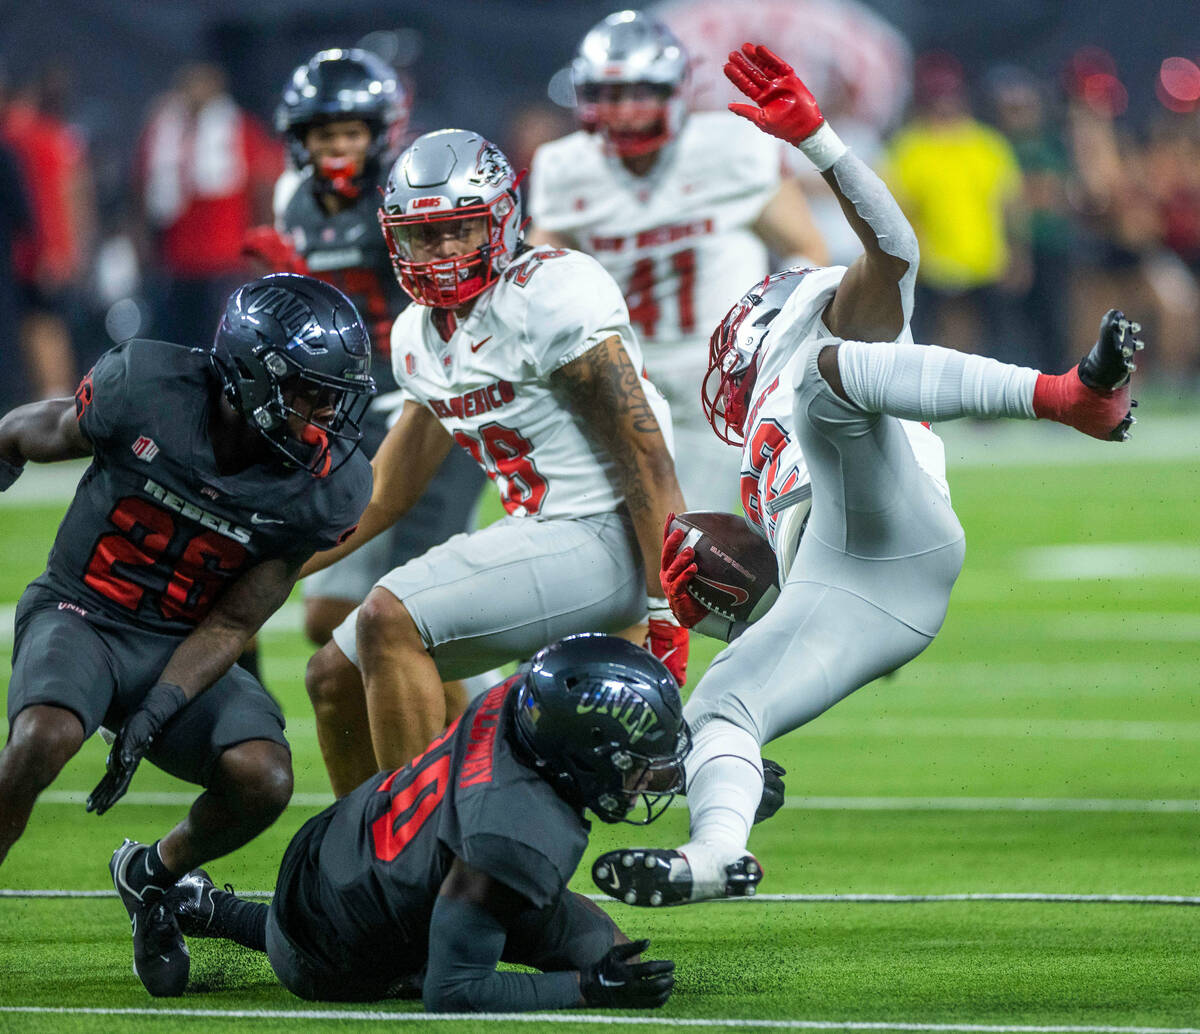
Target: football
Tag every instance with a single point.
(736, 576)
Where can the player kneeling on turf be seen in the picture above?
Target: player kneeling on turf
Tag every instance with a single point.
(430, 875)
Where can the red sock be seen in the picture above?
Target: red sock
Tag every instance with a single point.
(1065, 398)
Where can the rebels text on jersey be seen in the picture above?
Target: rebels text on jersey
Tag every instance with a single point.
(676, 240)
(774, 474)
(155, 532)
(358, 883)
(347, 250)
(490, 383)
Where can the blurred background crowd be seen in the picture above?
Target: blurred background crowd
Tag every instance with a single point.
(1047, 154)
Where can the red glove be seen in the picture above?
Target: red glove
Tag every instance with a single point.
(782, 105)
(667, 639)
(267, 245)
(676, 571)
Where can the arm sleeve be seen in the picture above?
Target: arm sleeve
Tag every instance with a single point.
(574, 307)
(465, 943)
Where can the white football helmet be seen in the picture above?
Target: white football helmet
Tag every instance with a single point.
(451, 216)
(733, 353)
(629, 76)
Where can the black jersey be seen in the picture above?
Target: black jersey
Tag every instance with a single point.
(155, 532)
(358, 883)
(347, 249)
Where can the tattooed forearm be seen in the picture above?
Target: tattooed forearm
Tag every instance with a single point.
(603, 385)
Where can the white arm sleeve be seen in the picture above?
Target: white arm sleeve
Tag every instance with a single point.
(878, 209)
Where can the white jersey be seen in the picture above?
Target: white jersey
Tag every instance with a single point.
(774, 476)
(490, 383)
(677, 240)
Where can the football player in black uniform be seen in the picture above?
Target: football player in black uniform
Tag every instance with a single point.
(214, 476)
(430, 875)
(342, 116)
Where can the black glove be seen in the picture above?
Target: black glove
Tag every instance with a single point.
(133, 740)
(614, 983)
(9, 472)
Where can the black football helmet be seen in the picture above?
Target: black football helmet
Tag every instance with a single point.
(284, 336)
(602, 721)
(344, 84)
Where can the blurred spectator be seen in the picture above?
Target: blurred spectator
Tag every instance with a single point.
(1134, 201)
(207, 170)
(960, 185)
(16, 217)
(50, 260)
(1019, 104)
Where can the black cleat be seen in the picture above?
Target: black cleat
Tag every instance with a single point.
(772, 794)
(160, 958)
(650, 877)
(190, 900)
(1110, 362)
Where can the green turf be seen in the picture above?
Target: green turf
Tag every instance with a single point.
(1038, 688)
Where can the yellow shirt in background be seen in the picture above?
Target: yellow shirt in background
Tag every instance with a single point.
(953, 182)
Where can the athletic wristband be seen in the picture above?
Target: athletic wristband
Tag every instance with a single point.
(659, 609)
(9, 472)
(822, 147)
(162, 702)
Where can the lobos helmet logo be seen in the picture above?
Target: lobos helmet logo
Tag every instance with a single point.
(490, 166)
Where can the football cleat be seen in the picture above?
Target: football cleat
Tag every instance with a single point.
(772, 794)
(1094, 397)
(651, 877)
(190, 900)
(160, 958)
(1110, 362)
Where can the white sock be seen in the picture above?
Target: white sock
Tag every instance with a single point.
(724, 785)
(927, 382)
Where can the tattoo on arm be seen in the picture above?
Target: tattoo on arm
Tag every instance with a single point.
(604, 387)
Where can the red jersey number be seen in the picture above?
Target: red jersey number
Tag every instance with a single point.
(142, 542)
(763, 454)
(423, 783)
(644, 311)
(505, 455)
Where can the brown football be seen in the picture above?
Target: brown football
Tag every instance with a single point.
(736, 576)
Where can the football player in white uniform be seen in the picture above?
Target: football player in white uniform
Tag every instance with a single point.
(525, 358)
(678, 207)
(815, 372)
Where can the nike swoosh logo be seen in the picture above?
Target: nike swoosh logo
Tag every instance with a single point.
(258, 518)
(739, 596)
(479, 344)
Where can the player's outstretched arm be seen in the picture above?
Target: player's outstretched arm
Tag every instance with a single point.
(467, 935)
(471, 922)
(41, 431)
(603, 387)
(207, 653)
(874, 299)
(403, 466)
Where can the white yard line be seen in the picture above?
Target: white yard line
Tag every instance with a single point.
(1038, 897)
(150, 798)
(640, 1022)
